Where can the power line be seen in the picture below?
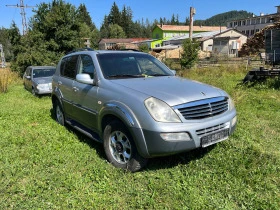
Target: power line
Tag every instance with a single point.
(23, 14)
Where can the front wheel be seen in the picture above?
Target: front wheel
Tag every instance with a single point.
(120, 148)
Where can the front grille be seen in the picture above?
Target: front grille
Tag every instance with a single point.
(212, 129)
(204, 108)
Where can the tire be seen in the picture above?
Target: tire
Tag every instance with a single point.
(120, 148)
(33, 92)
(58, 113)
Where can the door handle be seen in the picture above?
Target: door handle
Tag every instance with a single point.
(75, 89)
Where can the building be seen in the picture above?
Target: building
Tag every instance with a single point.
(162, 32)
(131, 43)
(272, 46)
(252, 25)
(228, 42)
(220, 42)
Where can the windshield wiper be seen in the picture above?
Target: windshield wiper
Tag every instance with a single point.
(158, 75)
(125, 76)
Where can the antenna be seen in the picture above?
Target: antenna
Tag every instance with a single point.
(22, 12)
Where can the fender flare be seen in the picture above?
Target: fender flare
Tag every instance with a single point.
(126, 115)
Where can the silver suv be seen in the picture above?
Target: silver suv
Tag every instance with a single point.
(137, 107)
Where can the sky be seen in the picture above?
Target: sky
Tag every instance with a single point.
(143, 9)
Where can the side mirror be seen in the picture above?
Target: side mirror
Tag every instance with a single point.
(84, 78)
(174, 72)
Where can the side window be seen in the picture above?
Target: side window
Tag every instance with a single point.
(86, 65)
(68, 66)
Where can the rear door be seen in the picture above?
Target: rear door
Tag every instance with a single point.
(68, 69)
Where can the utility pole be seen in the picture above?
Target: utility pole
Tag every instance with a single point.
(192, 13)
(23, 17)
(3, 62)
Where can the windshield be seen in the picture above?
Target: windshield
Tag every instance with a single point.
(43, 72)
(131, 65)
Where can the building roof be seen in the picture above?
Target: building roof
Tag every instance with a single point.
(187, 28)
(130, 40)
(203, 36)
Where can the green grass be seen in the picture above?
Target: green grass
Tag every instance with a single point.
(46, 166)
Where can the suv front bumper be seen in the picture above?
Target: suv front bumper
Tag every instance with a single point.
(157, 146)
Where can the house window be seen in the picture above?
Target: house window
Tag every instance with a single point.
(244, 22)
(248, 22)
(252, 32)
(239, 23)
(257, 30)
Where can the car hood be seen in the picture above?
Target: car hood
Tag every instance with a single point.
(171, 89)
(43, 80)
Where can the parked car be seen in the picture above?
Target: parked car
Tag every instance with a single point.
(137, 107)
(38, 79)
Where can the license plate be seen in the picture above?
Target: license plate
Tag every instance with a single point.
(214, 138)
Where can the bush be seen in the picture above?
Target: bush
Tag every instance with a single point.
(190, 53)
(6, 78)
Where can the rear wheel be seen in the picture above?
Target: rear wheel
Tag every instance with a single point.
(120, 148)
(58, 113)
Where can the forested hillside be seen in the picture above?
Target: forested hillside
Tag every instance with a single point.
(223, 18)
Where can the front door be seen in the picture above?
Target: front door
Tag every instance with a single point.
(85, 95)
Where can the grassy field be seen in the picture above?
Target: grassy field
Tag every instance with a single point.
(46, 166)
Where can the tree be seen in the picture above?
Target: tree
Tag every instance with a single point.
(14, 38)
(54, 30)
(84, 17)
(190, 53)
(115, 15)
(116, 31)
(173, 21)
(104, 29)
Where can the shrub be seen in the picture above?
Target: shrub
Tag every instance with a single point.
(7, 77)
(4, 79)
(190, 53)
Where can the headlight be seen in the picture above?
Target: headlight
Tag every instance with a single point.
(160, 111)
(43, 87)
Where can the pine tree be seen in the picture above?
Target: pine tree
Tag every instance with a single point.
(84, 17)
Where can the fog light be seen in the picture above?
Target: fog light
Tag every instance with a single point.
(176, 136)
(233, 121)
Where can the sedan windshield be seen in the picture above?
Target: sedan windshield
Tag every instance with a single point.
(43, 72)
(131, 65)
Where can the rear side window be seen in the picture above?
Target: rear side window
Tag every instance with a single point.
(68, 66)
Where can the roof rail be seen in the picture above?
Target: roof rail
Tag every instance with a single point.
(129, 50)
(80, 49)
